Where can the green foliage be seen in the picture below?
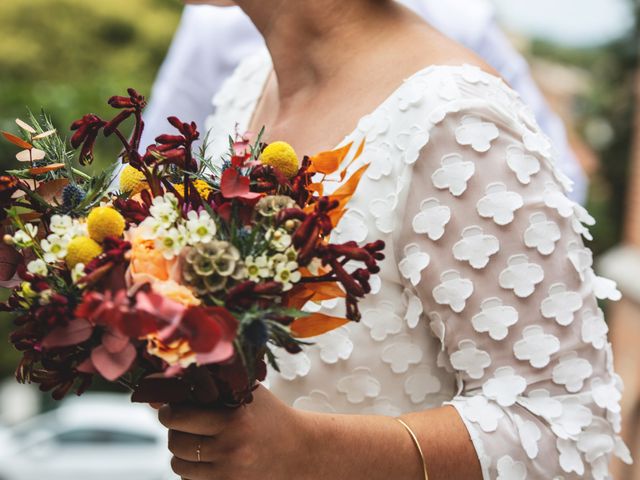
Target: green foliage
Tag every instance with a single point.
(70, 56)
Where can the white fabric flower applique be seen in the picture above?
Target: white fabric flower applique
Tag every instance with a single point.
(473, 74)
(477, 134)
(432, 219)
(382, 321)
(292, 366)
(360, 385)
(411, 94)
(421, 383)
(476, 247)
(574, 418)
(504, 387)
(334, 346)
(375, 125)
(606, 395)
(529, 434)
(570, 458)
(541, 403)
(537, 142)
(414, 308)
(542, 234)
(495, 318)
(509, 469)
(411, 143)
(437, 326)
(352, 227)
(596, 442)
(558, 201)
(471, 360)
(571, 372)
(383, 210)
(499, 204)
(522, 164)
(521, 276)
(413, 263)
(401, 354)
(605, 289)
(384, 407)
(454, 174)
(536, 347)
(453, 290)
(478, 409)
(316, 401)
(594, 328)
(581, 258)
(561, 304)
(380, 163)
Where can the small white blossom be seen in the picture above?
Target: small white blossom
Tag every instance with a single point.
(78, 229)
(54, 248)
(24, 238)
(78, 272)
(61, 224)
(287, 275)
(165, 210)
(291, 254)
(171, 242)
(279, 239)
(200, 227)
(257, 268)
(37, 267)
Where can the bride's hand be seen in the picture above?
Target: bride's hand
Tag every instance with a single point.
(264, 440)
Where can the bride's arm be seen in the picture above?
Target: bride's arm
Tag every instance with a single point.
(509, 291)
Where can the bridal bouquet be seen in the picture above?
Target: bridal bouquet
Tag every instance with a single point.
(186, 282)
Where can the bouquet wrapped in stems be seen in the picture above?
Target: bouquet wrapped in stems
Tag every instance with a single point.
(183, 284)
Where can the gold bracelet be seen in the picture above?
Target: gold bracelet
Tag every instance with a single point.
(417, 443)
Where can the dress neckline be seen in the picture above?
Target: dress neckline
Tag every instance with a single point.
(266, 69)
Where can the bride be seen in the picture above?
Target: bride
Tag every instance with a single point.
(482, 352)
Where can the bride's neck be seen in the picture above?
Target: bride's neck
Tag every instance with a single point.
(310, 39)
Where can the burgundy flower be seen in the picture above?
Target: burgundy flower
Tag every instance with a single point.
(87, 130)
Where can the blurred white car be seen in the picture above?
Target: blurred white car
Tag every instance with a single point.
(97, 437)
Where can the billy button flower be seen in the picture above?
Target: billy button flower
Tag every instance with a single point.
(105, 222)
(202, 187)
(81, 250)
(132, 180)
(282, 156)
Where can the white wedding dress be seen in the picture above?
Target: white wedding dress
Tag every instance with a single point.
(487, 297)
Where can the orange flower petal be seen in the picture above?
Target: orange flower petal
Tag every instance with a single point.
(46, 169)
(329, 162)
(316, 324)
(17, 141)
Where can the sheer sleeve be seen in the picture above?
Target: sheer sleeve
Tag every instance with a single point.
(491, 245)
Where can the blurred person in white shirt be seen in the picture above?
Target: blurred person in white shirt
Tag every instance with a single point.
(212, 41)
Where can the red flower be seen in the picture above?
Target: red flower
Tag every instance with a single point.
(210, 332)
(235, 185)
(87, 130)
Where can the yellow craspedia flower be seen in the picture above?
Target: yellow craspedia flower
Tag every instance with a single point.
(202, 187)
(105, 222)
(82, 250)
(282, 156)
(132, 180)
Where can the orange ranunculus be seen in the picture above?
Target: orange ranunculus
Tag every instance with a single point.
(177, 353)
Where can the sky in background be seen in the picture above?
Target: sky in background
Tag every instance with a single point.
(569, 22)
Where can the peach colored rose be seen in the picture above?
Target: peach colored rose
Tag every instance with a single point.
(147, 264)
(176, 292)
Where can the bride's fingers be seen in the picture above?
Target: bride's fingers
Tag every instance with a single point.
(197, 421)
(191, 470)
(186, 447)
